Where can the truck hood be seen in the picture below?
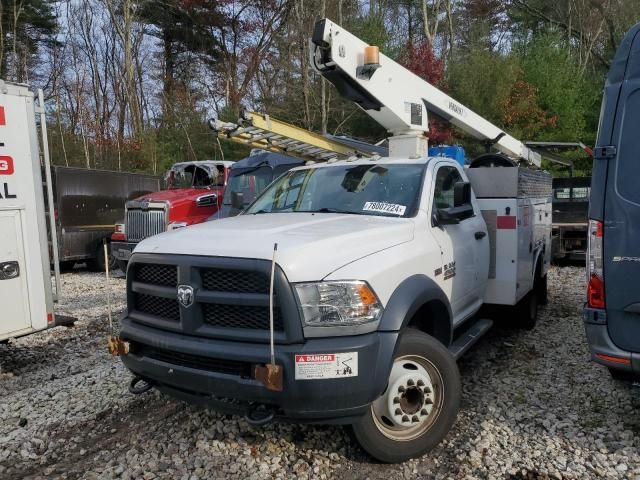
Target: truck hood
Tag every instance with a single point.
(177, 196)
(182, 203)
(310, 246)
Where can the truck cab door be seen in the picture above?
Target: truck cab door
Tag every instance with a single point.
(461, 246)
(616, 196)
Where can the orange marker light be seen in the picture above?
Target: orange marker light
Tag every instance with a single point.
(366, 295)
(371, 55)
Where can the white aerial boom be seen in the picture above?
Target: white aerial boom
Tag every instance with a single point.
(397, 98)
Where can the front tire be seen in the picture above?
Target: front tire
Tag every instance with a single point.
(419, 405)
(96, 264)
(122, 265)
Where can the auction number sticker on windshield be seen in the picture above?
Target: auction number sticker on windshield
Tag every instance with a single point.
(325, 366)
(383, 207)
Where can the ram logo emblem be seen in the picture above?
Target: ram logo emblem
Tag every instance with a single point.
(185, 295)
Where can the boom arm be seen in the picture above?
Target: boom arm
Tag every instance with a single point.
(397, 98)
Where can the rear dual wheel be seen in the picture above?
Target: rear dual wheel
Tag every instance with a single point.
(419, 405)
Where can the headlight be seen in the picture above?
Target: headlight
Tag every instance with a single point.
(325, 304)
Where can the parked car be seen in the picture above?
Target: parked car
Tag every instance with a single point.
(87, 205)
(570, 218)
(612, 313)
(192, 193)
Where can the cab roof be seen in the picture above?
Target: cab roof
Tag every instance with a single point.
(267, 159)
(376, 161)
(204, 163)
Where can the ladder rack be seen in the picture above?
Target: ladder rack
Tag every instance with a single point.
(257, 130)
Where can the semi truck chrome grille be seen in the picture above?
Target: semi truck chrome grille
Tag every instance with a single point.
(141, 224)
(165, 308)
(240, 316)
(241, 281)
(164, 275)
(218, 365)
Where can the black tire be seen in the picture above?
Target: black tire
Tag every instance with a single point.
(526, 311)
(369, 432)
(96, 264)
(67, 265)
(122, 265)
(541, 290)
(622, 375)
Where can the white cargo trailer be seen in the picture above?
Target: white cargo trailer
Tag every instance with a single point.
(26, 292)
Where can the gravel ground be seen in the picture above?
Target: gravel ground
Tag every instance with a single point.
(533, 407)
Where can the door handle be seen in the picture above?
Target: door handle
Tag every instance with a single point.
(480, 235)
(9, 270)
(633, 308)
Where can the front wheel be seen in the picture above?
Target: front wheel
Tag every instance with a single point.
(122, 265)
(419, 405)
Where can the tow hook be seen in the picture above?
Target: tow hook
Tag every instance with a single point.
(139, 385)
(259, 417)
(117, 346)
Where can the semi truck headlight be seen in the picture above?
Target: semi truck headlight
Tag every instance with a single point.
(330, 304)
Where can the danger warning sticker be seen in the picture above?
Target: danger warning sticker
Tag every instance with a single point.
(326, 366)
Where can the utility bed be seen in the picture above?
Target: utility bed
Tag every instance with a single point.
(516, 206)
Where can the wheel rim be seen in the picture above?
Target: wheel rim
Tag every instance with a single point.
(412, 401)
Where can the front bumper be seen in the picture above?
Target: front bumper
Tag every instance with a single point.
(122, 250)
(603, 350)
(327, 401)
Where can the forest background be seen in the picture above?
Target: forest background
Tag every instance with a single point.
(130, 84)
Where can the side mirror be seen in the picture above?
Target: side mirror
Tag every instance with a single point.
(461, 194)
(237, 200)
(443, 216)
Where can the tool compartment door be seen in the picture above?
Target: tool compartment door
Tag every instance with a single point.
(14, 293)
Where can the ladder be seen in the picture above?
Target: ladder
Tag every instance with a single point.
(258, 130)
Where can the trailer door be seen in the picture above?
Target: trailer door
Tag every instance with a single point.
(14, 295)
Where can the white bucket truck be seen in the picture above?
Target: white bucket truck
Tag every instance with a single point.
(382, 266)
(26, 292)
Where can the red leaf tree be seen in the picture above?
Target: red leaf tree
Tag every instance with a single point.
(421, 60)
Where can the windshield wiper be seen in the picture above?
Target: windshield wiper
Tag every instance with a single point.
(261, 211)
(331, 210)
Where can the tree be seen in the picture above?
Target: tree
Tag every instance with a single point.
(25, 25)
(422, 61)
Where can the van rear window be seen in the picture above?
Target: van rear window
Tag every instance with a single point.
(628, 169)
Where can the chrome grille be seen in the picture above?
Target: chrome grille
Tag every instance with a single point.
(141, 224)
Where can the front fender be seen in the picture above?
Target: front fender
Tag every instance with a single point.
(413, 293)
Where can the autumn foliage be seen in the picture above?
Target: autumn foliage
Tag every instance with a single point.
(421, 60)
(522, 114)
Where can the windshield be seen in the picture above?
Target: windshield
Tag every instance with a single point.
(250, 182)
(568, 194)
(196, 176)
(371, 189)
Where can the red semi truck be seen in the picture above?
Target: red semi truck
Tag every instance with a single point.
(192, 193)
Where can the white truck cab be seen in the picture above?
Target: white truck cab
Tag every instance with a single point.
(382, 265)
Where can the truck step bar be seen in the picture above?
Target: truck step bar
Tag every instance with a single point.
(470, 336)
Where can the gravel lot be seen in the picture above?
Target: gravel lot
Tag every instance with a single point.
(533, 407)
